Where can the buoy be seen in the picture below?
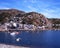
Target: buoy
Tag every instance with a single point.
(18, 39)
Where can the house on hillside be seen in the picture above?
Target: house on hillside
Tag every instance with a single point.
(3, 28)
(18, 18)
(29, 27)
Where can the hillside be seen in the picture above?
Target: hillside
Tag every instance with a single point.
(5, 15)
(55, 22)
(31, 17)
(35, 18)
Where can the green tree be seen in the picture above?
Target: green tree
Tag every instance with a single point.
(4, 17)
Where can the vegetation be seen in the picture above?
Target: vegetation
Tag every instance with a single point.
(4, 17)
(27, 18)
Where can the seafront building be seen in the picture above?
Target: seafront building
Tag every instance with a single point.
(17, 26)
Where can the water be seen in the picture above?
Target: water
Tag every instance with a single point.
(42, 39)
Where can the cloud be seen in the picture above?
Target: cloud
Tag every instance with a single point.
(51, 13)
(4, 4)
(50, 8)
(31, 8)
(31, 1)
(25, 1)
(4, 7)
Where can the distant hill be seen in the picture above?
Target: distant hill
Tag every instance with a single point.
(56, 22)
(13, 12)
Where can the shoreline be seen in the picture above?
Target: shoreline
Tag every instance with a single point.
(11, 46)
(25, 30)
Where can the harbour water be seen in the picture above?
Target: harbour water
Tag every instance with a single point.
(42, 39)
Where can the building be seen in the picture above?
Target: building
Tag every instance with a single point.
(29, 27)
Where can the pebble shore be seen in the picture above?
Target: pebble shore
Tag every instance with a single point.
(11, 46)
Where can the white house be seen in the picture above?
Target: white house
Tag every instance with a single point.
(28, 27)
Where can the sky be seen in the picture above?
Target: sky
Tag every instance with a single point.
(49, 8)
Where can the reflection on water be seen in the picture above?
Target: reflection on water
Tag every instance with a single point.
(43, 39)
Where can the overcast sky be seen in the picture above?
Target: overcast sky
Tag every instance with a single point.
(49, 8)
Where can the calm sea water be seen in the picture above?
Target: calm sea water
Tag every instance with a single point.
(43, 39)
